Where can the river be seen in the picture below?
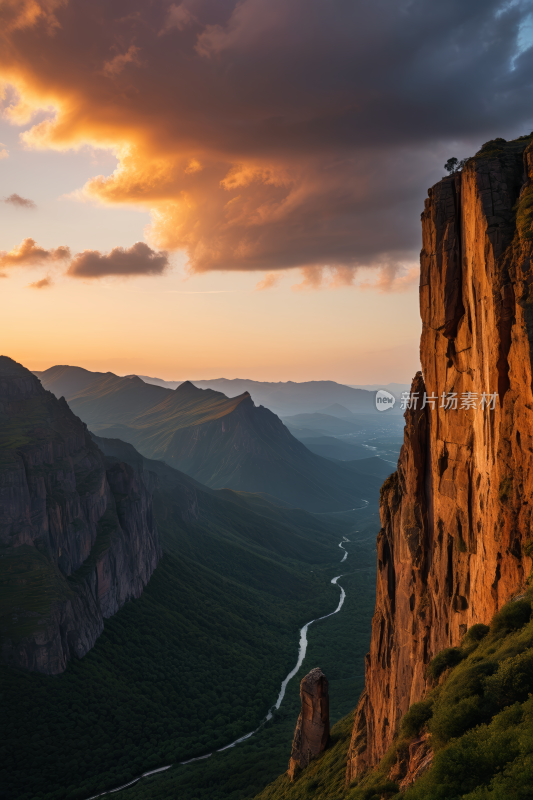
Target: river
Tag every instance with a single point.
(302, 650)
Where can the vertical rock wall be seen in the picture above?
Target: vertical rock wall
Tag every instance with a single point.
(456, 517)
(77, 534)
(311, 736)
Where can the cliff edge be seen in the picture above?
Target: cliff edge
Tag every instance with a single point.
(77, 534)
(456, 517)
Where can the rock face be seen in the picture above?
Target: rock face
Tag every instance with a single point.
(312, 729)
(456, 517)
(77, 536)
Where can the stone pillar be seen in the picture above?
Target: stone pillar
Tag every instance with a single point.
(311, 736)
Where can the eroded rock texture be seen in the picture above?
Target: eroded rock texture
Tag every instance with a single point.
(457, 514)
(312, 729)
(77, 535)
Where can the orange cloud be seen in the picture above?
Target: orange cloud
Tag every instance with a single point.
(270, 280)
(29, 254)
(139, 259)
(44, 283)
(265, 135)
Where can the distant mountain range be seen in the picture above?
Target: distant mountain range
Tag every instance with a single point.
(221, 442)
(283, 398)
(292, 398)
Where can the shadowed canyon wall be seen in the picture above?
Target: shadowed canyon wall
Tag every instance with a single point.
(77, 535)
(456, 517)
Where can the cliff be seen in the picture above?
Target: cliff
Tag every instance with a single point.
(311, 736)
(456, 517)
(77, 536)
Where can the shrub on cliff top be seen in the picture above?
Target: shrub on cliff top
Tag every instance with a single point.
(416, 717)
(453, 720)
(513, 681)
(512, 616)
(475, 634)
(449, 657)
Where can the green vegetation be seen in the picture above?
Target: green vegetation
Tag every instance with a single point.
(175, 673)
(416, 717)
(197, 661)
(480, 719)
(446, 658)
(337, 645)
(29, 585)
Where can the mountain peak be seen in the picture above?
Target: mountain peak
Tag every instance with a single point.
(186, 387)
(17, 382)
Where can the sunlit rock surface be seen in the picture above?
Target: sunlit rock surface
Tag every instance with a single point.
(312, 729)
(456, 518)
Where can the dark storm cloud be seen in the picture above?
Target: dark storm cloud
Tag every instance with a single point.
(268, 134)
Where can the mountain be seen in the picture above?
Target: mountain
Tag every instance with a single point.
(77, 537)
(65, 381)
(290, 397)
(219, 441)
(283, 398)
(467, 547)
(196, 661)
(447, 706)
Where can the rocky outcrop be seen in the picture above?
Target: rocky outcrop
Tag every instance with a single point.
(77, 535)
(311, 736)
(456, 517)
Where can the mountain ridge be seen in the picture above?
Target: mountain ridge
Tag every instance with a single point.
(222, 442)
(77, 537)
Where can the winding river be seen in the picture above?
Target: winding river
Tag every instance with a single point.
(302, 650)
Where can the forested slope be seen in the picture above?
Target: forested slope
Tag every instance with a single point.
(191, 665)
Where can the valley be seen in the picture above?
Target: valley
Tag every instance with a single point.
(240, 574)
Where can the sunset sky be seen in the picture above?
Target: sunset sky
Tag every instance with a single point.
(207, 189)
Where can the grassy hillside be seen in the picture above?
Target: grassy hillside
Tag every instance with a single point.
(479, 717)
(194, 663)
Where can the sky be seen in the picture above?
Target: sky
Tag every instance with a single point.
(233, 189)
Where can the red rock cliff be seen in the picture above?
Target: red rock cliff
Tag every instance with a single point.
(457, 514)
(311, 736)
